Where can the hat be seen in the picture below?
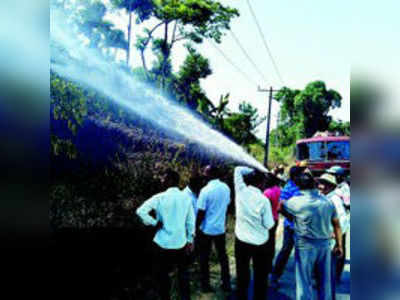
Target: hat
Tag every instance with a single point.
(328, 178)
(302, 164)
(337, 170)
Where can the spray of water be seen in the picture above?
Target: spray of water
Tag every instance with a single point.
(87, 67)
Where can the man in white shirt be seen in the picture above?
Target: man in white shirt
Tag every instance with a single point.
(254, 219)
(342, 188)
(212, 208)
(342, 191)
(174, 238)
(327, 185)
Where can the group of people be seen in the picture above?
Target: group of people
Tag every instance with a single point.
(188, 222)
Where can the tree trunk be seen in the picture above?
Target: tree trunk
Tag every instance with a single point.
(165, 54)
(128, 51)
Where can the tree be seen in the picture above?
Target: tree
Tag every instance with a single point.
(241, 126)
(142, 8)
(307, 110)
(187, 83)
(220, 112)
(191, 20)
(343, 128)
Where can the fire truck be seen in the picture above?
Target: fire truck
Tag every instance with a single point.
(323, 151)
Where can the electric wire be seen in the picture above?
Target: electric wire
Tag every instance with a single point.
(265, 42)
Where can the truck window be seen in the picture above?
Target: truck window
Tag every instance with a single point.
(313, 151)
(338, 150)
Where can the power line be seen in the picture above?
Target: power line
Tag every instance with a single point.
(265, 42)
(247, 55)
(233, 64)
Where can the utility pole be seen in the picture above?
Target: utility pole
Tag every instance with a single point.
(270, 90)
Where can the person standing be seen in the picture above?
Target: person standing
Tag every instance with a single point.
(343, 192)
(192, 190)
(313, 215)
(254, 220)
(343, 188)
(288, 191)
(212, 208)
(175, 225)
(327, 185)
(272, 192)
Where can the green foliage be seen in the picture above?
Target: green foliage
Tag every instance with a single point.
(343, 128)
(304, 112)
(142, 8)
(68, 102)
(240, 126)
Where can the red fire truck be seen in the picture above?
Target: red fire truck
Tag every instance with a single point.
(323, 151)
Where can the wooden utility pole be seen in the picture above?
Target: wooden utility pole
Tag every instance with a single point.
(270, 90)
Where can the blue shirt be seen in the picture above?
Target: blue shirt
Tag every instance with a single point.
(175, 211)
(253, 211)
(214, 199)
(289, 190)
(313, 216)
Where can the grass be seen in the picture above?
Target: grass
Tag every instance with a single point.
(215, 270)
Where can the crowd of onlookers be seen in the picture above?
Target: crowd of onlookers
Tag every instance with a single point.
(188, 222)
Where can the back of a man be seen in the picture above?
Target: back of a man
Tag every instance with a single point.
(254, 221)
(214, 199)
(175, 224)
(212, 206)
(313, 215)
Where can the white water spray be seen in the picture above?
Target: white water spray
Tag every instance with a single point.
(89, 68)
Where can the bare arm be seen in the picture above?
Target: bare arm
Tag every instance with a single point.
(338, 237)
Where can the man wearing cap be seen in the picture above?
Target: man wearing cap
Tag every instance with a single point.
(343, 191)
(343, 188)
(328, 185)
(288, 191)
(314, 215)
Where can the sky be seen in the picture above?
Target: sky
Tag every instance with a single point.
(309, 41)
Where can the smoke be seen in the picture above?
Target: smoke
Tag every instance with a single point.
(71, 59)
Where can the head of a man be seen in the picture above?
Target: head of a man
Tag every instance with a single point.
(195, 184)
(270, 181)
(256, 179)
(304, 181)
(326, 183)
(212, 172)
(338, 172)
(170, 179)
(295, 171)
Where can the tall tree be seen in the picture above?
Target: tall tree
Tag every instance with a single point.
(241, 126)
(308, 109)
(187, 83)
(143, 10)
(191, 20)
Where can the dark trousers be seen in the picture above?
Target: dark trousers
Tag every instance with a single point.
(165, 260)
(284, 254)
(205, 243)
(261, 257)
